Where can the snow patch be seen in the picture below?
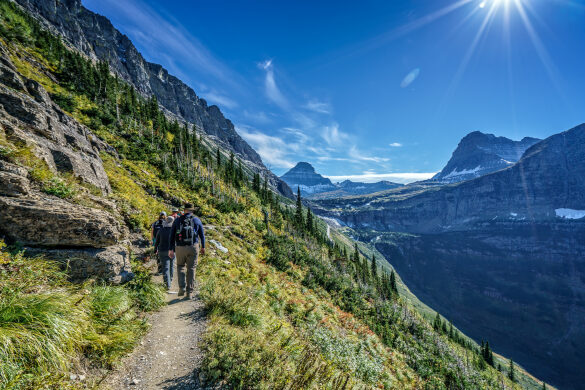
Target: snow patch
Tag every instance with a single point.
(514, 214)
(570, 213)
(455, 172)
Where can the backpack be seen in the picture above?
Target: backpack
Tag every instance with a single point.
(156, 227)
(185, 234)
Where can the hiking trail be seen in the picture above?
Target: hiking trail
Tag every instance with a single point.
(168, 357)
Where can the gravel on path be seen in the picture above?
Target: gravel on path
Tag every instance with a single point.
(169, 356)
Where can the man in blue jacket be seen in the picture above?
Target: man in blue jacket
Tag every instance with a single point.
(187, 237)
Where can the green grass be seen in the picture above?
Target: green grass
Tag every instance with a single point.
(47, 324)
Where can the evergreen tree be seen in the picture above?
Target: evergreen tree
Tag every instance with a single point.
(512, 371)
(393, 286)
(218, 158)
(309, 221)
(374, 268)
(299, 211)
(543, 386)
(450, 330)
(437, 322)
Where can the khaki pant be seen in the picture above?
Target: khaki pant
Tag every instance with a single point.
(187, 256)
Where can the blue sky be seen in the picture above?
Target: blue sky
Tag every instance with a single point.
(375, 89)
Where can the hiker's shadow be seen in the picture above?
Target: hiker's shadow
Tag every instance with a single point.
(185, 382)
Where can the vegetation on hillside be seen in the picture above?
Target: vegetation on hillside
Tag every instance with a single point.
(288, 307)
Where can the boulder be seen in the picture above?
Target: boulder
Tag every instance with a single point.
(111, 264)
(50, 222)
(13, 185)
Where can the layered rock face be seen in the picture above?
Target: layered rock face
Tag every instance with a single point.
(479, 154)
(96, 37)
(88, 239)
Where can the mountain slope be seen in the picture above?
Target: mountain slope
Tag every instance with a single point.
(502, 253)
(479, 154)
(96, 37)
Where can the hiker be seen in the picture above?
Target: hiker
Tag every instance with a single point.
(176, 213)
(156, 226)
(162, 246)
(187, 237)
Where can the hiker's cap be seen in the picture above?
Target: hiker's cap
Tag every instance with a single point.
(175, 210)
(162, 214)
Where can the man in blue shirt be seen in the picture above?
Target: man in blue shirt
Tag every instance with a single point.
(187, 237)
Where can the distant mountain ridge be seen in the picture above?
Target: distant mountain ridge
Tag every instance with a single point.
(479, 154)
(314, 185)
(96, 37)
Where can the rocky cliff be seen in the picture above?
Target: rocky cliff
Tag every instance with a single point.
(36, 130)
(479, 154)
(96, 37)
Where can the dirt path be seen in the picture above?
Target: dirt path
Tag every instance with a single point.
(168, 357)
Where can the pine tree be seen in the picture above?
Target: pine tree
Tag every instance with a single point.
(437, 322)
(393, 286)
(218, 158)
(374, 268)
(450, 330)
(309, 221)
(512, 371)
(299, 210)
(543, 386)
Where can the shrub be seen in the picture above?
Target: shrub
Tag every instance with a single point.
(58, 187)
(66, 102)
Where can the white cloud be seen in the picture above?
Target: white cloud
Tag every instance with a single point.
(410, 77)
(219, 99)
(398, 177)
(332, 135)
(258, 117)
(165, 38)
(271, 89)
(317, 106)
(396, 144)
(355, 154)
(273, 150)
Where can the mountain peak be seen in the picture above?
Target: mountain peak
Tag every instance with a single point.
(304, 167)
(478, 154)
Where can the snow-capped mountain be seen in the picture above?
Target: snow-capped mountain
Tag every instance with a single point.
(478, 154)
(313, 185)
(303, 175)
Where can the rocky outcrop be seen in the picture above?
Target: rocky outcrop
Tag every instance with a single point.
(111, 264)
(50, 222)
(29, 117)
(96, 37)
(479, 154)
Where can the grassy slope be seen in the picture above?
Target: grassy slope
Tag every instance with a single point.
(268, 329)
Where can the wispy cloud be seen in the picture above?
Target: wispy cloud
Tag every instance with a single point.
(317, 106)
(396, 144)
(219, 99)
(355, 154)
(397, 177)
(273, 150)
(259, 117)
(332, 135)
(410, 78)
(271, 89)
(165, 38)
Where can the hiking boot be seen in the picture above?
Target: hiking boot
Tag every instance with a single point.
(181, 292)
(189, 295)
